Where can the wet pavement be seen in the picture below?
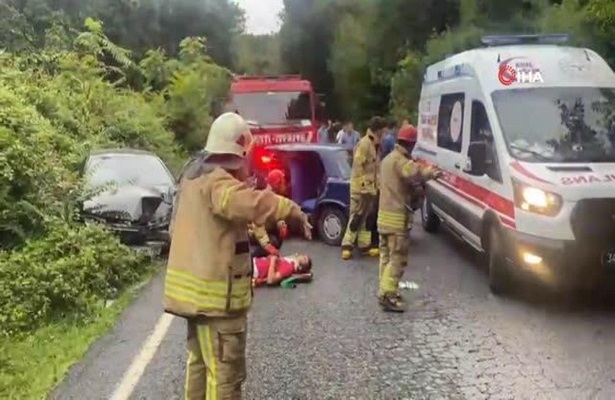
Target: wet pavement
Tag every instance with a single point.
(330, 340)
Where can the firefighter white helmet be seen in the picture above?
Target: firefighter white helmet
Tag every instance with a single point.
(229, 134)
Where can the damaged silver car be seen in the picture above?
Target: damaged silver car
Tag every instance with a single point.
(134, 194)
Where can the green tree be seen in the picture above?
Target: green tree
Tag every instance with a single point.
(349, 65)
(257, 55)
(138, 25)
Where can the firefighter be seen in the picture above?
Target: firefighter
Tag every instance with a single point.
(268, 241)
(363, 190)
(209, 274)
(399, 174)
(276, 181)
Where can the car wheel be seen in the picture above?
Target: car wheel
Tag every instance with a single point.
(499, 271)
(332, 223)
(429, 219)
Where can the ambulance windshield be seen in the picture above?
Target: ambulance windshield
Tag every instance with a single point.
(558, 124)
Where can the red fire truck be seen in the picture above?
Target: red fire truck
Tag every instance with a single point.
(280, 109)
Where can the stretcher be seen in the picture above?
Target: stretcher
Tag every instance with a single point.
(288, 283)
(291, 283)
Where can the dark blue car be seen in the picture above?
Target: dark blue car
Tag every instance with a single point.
(319, 181)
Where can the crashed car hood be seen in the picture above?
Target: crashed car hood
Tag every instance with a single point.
(125, 202)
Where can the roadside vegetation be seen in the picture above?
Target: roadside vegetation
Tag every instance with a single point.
(146, 74)
(66, 88)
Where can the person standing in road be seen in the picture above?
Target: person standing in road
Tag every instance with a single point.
(388, 142)
(363, 191)
(323, 132)
(398, 174)
(209, 273)
(334, 131)
(347, 136)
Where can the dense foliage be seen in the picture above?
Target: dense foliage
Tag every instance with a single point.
(63, 93)
(138, 25)
(369, 56)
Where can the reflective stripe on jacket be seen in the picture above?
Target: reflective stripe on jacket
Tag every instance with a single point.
(259, 233)
(209, 271)
(365, 165)
(398, 173)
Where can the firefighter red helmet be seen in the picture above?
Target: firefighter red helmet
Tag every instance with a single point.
(275, 179)
(407, 134)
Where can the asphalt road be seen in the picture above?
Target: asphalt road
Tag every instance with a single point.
(330, 340)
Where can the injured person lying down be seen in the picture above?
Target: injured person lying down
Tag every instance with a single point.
(271, 270)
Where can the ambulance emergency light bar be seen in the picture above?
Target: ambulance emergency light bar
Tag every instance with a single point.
(505, 40)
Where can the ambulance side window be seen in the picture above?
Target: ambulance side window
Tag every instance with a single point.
(450, 121)
(480, 131)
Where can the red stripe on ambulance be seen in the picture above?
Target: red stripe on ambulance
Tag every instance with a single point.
(478, 195)
(523, 171)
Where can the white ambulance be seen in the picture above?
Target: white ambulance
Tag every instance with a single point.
(524, 130)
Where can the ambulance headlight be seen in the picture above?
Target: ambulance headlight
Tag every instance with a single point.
(533, 199)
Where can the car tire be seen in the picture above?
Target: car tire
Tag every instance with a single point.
(331, 225)
(499, 270)
(429, 220)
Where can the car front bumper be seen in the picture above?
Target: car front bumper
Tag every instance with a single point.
(561, 261)
(131, 233)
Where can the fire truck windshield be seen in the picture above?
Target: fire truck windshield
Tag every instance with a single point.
(274, 108)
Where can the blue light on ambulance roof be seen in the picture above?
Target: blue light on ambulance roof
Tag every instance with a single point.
(503, 40)
(453, 72)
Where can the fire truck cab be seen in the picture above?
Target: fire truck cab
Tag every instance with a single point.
(280, 109)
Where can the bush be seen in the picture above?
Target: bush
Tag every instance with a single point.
(65, 273)
(56, 104)
(193, 87)
(35, 169)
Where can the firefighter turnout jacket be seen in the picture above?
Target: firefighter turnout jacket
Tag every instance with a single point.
(398, 175)
(260, 233)
(365, 166)
(209, 271)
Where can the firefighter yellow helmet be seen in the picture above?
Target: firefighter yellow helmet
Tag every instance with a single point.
(229, 134)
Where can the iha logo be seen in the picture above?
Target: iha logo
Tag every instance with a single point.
(507, 75)
(518, 70)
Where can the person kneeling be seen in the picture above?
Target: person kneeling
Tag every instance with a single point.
(272, 270)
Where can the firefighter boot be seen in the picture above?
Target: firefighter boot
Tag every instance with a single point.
(346, 254)
(392, 303)
(371, 252)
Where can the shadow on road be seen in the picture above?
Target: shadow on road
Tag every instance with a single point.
(596, 300)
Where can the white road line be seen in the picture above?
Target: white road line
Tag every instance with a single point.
(135, 371)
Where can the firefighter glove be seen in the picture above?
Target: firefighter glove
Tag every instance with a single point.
(283, 231)
(307, 227)
(271, 250)
(436, 173)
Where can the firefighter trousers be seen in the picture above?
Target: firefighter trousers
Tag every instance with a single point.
(216, 367)
(361, 206)
(394, 251)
